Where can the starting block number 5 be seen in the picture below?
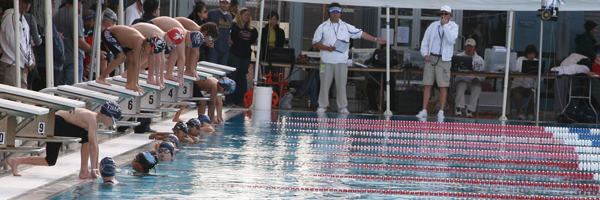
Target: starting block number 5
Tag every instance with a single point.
(2, 136)
(42, 128)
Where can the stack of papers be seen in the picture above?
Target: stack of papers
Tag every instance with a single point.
(499, 49)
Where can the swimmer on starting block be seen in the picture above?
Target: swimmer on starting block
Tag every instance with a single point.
(126, 42)
(209, 32)
(73, 124)
(154, 62)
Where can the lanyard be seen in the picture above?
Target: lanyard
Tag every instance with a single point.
(336, 30)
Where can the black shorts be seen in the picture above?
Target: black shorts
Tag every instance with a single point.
(196, 92)
(63, 128)
(110, 42)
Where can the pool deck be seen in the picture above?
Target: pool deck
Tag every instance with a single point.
(43, 182)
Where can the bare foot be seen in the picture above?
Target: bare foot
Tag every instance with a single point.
(96, 174)
(131, 87)
(171, 78)
(188, 73)
(84, 174)
(13, 166)
(144, 72)
(151, 81)
(124, 74)
(102, 81)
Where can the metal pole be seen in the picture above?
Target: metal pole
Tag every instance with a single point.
(395, 29)
(76, 41)
(258, 42)
(511, 14)
(17, 49)
(387, 62)
(96, 45)
(537, 102)
(48, 46)
(121, 22)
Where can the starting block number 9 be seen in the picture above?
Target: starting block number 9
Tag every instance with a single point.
(2, 136)
(42, 128)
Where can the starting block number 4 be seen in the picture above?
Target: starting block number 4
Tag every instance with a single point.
(2, 136)
(42, 128)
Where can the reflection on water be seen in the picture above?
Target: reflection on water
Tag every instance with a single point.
(254, 159)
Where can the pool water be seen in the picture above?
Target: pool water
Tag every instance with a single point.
(264, 154)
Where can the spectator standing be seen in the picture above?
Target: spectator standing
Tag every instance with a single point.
(199, 14)
(586, 44)
(151, 11)
(63, 21)
(243, 35)
(7, 41)
(58, 49)
(437, 47)
(334, 61)
(272, 36)
(472, 83)
(220, 53)
(133, 12)
(234, 8)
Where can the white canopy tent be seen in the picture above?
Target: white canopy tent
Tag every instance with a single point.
(498, 5)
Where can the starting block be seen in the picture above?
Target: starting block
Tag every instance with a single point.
(128, 100)
(217, 66)
(41, 126)
(8, 125)
(79, 93)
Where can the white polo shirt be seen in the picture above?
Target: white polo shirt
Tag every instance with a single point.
(328, 33)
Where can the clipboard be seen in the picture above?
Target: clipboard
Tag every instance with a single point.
(341, 46)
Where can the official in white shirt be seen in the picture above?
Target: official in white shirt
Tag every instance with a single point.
(438, 47)
(334, 61)
(133, 12)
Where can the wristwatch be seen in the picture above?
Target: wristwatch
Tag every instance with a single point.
(375, 39)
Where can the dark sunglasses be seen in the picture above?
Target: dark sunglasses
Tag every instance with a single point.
(164, 151)
(445, 14)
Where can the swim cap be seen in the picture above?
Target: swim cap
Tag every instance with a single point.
(109, 15)
(204, 118)
(197, 39)
(182, 127)
(111, 109)
(176, 35)
(169, 145)
(227, 84)
(157, 43)
(107, 167)
(148, 160)
(194, 122)
(174, 138)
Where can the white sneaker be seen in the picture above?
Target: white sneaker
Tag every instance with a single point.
(530, 117)
(422, 114)
(440, 114)
(344, 111)
(469, 114)
(458, 112)
(522, 117)
(322, 110)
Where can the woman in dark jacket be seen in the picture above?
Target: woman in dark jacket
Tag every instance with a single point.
(242, 36)
(199, 15)
(272, 36)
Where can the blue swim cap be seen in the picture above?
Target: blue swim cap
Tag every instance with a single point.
(111, 109)
(174, 138)
(169, 145)
(194, 122)
(204, 118)
(182, 127)
(227, 84)
(197, 39)
(148, 160)
(107, 167)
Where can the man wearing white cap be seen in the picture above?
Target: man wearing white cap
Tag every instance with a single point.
(469, 82)
(334, 61)
(437, 47)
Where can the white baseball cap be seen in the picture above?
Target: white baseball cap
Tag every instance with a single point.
(446, 8)
(471, 42)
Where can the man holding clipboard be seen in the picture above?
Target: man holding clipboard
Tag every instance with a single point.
(332, 38)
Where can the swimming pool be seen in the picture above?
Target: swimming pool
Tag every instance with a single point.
(303, 155)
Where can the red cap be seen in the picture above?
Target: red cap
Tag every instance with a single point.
(176, 35)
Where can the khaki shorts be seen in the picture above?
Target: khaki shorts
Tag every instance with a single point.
(439, 73)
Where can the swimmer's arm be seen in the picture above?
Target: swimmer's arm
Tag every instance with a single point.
(207, 130)
(186, 139)
(219, 105)
(159, 135)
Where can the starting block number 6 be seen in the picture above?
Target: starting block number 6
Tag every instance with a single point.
(2, 136)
